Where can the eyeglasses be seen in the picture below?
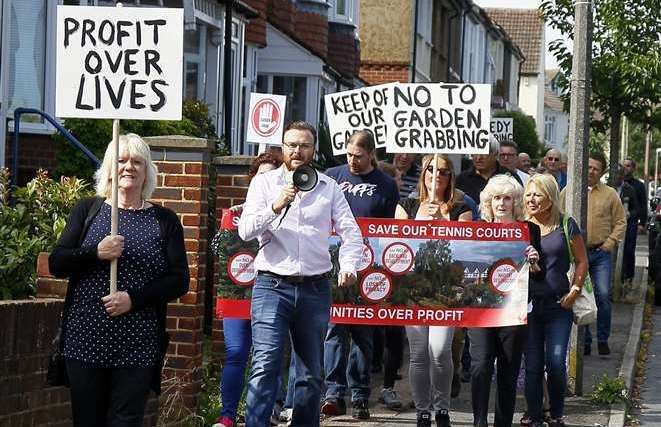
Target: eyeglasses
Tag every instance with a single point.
(506, 155)
(440, 171)
(293, 147)
(554, 159)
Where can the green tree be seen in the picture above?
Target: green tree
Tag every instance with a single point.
(626, 59)
(96, 134)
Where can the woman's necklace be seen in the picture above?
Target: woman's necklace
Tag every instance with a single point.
(131, 208)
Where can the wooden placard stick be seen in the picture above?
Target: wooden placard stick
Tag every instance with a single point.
(114, 216)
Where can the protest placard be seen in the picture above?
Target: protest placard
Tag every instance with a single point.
(439, 118)
(359, 109)
(443, 273)
(119, 63)
(266, 118)
(502, 128)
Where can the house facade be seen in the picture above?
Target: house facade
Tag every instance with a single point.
(556, 119)
(302, 49)
(526, 29)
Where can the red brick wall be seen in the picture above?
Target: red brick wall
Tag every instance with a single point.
(182, 187)
(384, 72)
(35, 152)
(231, 187)
(28, 328)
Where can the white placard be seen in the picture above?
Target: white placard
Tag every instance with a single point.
(439, 118)
(355, 110)
(266, 118)
(119, 62)
(502, 128)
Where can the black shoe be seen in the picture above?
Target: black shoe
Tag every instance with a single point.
(442, 418)
(333, 407)
(359, 410)
(587, 350)
(558, 422)
(424, 419)
(456, 386)
(603, 348)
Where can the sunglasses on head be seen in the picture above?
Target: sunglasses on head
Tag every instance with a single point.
(440, 171)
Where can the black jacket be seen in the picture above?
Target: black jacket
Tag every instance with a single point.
(69, 258)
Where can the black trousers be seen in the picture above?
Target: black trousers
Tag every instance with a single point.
(506, 344)
(394, 354)
(112, 397)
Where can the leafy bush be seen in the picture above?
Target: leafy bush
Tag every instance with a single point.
(609, 390)
(95, 135)
(32, 226)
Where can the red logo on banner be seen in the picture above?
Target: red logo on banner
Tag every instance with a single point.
(502, 276)
(241, 268)
(265, 117)
(376, 286)
(398, 258)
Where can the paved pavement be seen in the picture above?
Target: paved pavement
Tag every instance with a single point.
(580, 411)
(650, 413)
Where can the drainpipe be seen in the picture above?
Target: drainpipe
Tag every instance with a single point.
(227, 73)
(415, 40)
(449, 52)
(463, 42)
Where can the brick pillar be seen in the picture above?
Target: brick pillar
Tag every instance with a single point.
(183, 186)
(231, 188)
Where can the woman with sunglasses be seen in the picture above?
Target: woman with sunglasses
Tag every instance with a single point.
(431, 368)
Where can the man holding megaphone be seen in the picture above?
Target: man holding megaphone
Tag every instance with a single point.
(292, 211)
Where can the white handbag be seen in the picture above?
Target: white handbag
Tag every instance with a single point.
(585, 306)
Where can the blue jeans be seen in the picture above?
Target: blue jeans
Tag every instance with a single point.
(549, 327)
(238, 339)
(629, 257)
(281, 309)
(337, 349)
(601, 268)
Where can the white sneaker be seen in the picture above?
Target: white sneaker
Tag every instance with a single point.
(285, 416)
(390, 399)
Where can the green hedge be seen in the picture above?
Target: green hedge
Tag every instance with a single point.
(32, 226)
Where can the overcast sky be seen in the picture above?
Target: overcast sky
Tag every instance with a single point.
(551, 34)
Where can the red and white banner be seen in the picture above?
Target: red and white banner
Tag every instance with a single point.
(443, 273)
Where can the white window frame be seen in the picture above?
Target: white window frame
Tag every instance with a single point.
(425, 14)
(50, 47)
(350, 15)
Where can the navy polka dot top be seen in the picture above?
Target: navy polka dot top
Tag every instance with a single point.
(129, 340)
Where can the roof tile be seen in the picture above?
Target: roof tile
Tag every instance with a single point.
(526, 28)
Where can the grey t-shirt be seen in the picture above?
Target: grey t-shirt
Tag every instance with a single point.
(555, 259)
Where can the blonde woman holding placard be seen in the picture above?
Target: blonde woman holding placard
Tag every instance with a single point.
(114, 342)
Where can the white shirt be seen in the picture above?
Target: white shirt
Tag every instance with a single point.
(523, 176)
(299, 245)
